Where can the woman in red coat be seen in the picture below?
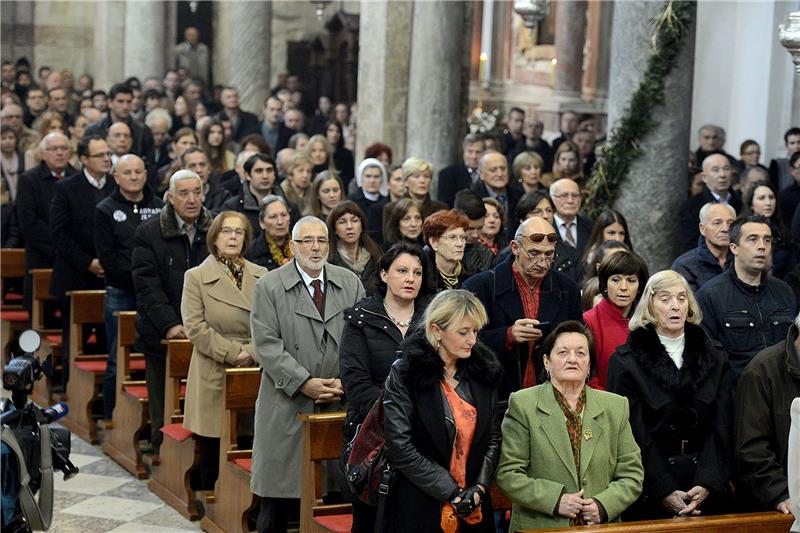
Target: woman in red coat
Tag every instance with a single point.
(622, 278)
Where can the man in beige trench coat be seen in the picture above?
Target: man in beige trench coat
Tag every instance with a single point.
(297, 321)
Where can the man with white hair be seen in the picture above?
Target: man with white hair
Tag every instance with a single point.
(165, 247)
(769, 384)
(297, 320)
(572, 228)
(34, 196)
(712, 254)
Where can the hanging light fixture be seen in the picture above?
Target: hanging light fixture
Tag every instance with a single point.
(532, 12)
(789, 34)
(320, 10)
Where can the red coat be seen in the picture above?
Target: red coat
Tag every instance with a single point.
(610, 330)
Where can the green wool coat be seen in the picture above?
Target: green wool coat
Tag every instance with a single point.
(536, 463)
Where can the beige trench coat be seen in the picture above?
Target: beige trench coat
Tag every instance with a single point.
(216, 316)
(293, 343)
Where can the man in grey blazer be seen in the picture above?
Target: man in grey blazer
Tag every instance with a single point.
(297, 321)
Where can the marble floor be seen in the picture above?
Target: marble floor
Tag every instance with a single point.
(104, 497)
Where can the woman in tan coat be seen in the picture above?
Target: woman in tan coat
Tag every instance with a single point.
(216, 315)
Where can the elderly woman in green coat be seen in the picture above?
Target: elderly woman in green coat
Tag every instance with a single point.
(568, 455)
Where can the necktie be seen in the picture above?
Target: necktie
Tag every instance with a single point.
(568, 234)
(58, 176)
(318, 297)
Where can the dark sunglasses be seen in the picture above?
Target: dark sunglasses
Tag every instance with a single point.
(539, 237)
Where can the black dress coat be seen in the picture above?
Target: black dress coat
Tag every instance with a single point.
(681, 419)
(161, 256)
(453, 179)
(688, 230)
(34, 196)
(560, 300)
(258, 253)
(419, 438)
(72, 233)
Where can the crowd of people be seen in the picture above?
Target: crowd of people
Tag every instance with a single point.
(511, 339)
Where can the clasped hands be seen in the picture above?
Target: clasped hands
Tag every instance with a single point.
(686, 503)
(574, 505)
(323, 390)
(466, 500)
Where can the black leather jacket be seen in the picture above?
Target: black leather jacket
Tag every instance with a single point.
(419, 436)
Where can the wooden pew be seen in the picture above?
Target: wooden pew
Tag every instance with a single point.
(52, 343)
(13, 318)
(131, 412)
(772, 522)
(232, 500)
(322, 441)
(170, 475)
(85, 371)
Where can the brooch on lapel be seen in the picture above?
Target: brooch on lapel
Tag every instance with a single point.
(587, 434)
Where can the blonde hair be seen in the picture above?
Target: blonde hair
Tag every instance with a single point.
(415, 165)
(449, 308)
(526, 159)
(661, 281)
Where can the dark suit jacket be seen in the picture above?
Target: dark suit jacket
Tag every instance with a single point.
(72, 233)
(142, 138)
(451, 180)
(248, 123)
(560, 300)
(689, 217)
(584, 226)
(513, 193)
(34, 196)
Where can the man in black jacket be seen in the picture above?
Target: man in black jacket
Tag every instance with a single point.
(242, 122)
(462, 175)
(761, 424)
(573, 229)
(745, 308)
(494, 182)
(115, 221)
(717, 177)
(196, 160)
(34, 196)
(711, 256)
(525, 299)
(76, 266)
(120, 98)
(165, 247)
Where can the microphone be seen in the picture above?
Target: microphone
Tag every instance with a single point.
(54, 412)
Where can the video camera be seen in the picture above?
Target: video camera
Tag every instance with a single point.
(31, 449)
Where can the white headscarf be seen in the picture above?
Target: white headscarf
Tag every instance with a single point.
(372, 162)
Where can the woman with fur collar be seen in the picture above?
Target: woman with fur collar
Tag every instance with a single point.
(442, 422)
(679, 385)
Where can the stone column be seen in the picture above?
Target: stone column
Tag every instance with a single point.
(383, 76)
(243, 36)
(438, 82)
(145, 44)
(109, 30)
(657, 183)
(570, 38)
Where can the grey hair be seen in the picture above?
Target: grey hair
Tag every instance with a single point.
(50, 136)
(268, 200)
(705, 209)
(305, 221)
(472, 138)
(244, 155)
(124, 158)
(720, 131)
(554, 186)
(181, 175)
(797, 320)
(156, 114)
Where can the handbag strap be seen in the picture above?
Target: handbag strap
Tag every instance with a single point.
(39, 515)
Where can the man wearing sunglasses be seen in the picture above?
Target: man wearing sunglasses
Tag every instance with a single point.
(525, 299)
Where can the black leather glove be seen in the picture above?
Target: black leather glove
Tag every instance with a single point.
(467, 504)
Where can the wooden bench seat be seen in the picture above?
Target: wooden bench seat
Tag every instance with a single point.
(86, 371)
(131, 411)
(232, 502)
(13, 318)
(771, 522)
(322, 441)
(171, 471)
(52, 342)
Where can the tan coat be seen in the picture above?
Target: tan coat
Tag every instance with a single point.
(216, 316)
(293, 343)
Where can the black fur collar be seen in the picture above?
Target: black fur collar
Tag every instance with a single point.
(426, 368)
(699, 358)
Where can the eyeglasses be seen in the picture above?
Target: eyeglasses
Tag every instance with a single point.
(230, 231)
(308, 241)
(564, 195)
(540, 257)
(539, 237)
(101, 155)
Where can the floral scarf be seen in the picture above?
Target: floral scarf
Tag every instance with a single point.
(280, 256)
(234, 268)
(574, 429)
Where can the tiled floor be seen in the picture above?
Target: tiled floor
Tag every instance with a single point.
(105, 497)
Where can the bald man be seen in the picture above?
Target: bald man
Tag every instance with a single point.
(34, 196)
(525, 299)
(717, 178)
